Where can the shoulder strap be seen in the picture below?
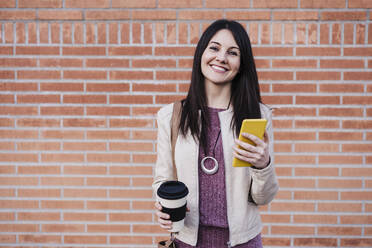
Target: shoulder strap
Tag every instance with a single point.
(175, 122)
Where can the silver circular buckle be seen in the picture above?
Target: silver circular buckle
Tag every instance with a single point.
(209, 171)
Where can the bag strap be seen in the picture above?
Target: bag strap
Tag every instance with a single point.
(175, 122)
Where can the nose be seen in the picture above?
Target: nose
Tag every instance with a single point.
(221, 56)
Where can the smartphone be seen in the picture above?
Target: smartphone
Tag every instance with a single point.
(253, 126)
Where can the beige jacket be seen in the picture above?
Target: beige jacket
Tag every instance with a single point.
(243, 216)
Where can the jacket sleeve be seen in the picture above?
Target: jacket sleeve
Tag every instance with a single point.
(264, 182)
(164, 164)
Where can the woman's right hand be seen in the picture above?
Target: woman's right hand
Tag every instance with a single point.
(163, 218)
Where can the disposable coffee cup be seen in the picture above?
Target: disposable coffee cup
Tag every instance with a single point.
(172, 197)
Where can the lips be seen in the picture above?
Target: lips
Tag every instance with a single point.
(217, 68)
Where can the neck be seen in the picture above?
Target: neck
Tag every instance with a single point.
(218, 96)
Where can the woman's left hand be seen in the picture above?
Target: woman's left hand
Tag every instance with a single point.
(257, 155)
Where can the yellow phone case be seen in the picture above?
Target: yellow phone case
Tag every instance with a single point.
(253, 126)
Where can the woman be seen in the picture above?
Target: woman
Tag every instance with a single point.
(224, 90)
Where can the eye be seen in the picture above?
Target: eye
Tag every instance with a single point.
(213, 48)
(233, 53)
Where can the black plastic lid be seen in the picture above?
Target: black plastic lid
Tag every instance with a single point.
(172, 190)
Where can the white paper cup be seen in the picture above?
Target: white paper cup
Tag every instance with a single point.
(172, 196)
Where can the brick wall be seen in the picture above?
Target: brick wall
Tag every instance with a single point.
(81, 81)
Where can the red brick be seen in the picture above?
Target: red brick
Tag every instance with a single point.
(339, 231)
(130, 193)
(7, 74)
(108, 158)
(83, 193)
(106, 111)
(60, 15)
(19, 228)
(154, 15)
(174, 51)
(345, 15)
(344, 64)
(332, 242)
(38, 216)
(61, 157)
(356, 196)
(108, 182)
(173, 75)
(292, 230)
(137, 217)
(134, 4)
(87, 4)
(281, 159)
(84, 51)
(357, 124)
(61, 228)
(356, 172)
(131, 146)
(272, 241)
(317, 124)
(43, 169)
(131, 170)
(318, 75)
(293, 87)
(362, 75)
(62, 134)
(200, 14)
(28, 122)
(317, 147)
(19, 204)
(17, 15)
(88, 239)
(294, 135)
(122, 63)
(341, 88)
(40, 4)
(272, 51)
(107, 87)
(106, 205)
(318, 100)
(144, 111)
(108, 134)
(4, 216)
(41, 50)
(121, 239)
(315, 219)
(185, 4)
(247, 14)
(62, 181)
(298, 15)
(298, 63)
(341, 112)
(274, 4)
(295, 183)
(105, 228)
(67, 33)
(339, 184)
(292, 207)
(363, 4)
(131, 75)
(42, 74)
(131, 99)
(85, 170)
(18, 134)
(154, 63)
(39, 193)
(6, 50)
(8, 4)
(19, 157)
(10, 146)
(277, 99)
(356, 242)
(61, 110)
(320, 51)
(84, 146)
(88, 122)
(40, 238)
(19, 181)
(275, 75)
(321, 4)
(38, 146)
(340, 159)
(284, 111)
(62, 204)
(54, 62)
(17, 62)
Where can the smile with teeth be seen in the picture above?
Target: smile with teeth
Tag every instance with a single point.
(218, 68)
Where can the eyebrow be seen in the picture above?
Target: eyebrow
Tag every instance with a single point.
(215, 42)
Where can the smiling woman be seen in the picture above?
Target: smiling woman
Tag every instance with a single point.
(223, 200)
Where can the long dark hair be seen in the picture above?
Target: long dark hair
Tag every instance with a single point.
(245, 91)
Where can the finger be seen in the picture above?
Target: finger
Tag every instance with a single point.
(246, 146)
(164, 222)
(240, 157)
(245, 153)
(162, 215)
(254, 139)
(158, 206)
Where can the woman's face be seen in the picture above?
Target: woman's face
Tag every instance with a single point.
(220, 61)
